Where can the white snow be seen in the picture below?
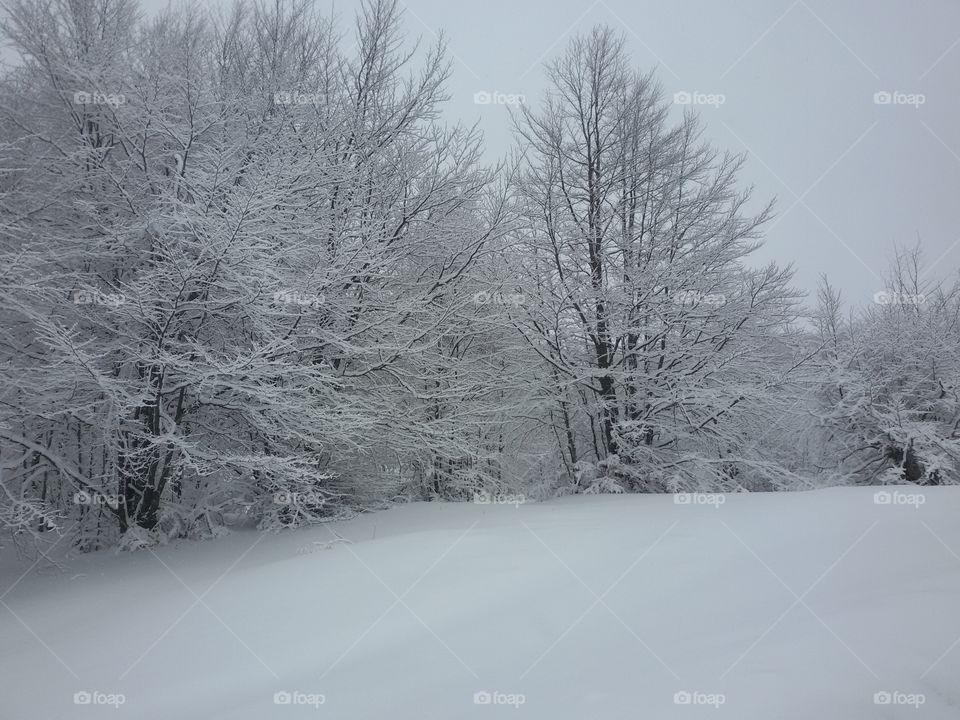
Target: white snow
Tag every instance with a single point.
(790, 605)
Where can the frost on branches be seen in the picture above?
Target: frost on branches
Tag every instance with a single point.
(248, 276)
(887, 407)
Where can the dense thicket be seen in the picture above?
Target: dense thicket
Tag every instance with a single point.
(247, 274)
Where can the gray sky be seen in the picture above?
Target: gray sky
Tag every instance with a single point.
(798, 79)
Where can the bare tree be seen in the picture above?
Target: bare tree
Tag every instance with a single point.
(656, 339)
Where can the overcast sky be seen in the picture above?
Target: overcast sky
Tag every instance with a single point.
(798, 80)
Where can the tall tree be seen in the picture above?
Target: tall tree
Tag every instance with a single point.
(656, 339)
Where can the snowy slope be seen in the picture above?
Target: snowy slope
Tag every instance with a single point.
(802, 605)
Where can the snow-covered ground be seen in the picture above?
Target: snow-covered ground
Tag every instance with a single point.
(824, 604)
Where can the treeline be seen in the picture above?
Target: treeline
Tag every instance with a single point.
(249, 276)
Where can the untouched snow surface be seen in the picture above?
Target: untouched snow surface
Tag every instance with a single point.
(826, 604)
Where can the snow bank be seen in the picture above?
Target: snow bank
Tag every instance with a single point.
(837, 603)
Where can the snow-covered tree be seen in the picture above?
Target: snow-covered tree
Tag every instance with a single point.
(238, 267)
(887, 409)
(661, 349)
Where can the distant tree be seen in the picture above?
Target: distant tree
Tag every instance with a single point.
(888, 409)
